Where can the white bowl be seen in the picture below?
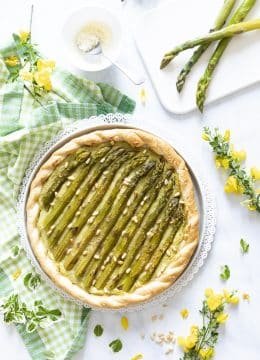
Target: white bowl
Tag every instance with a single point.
(76, 22)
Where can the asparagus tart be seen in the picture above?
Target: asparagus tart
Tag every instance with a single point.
(112, 218)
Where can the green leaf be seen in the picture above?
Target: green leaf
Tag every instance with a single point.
(116, 345)
(225, 272)
(244, 246)
(15, 250)
(31, 282)
(98, 330)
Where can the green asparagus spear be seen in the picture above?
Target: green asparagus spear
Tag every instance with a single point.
(164, 244)
(88, 206)
(226, 32)
(111, 219)
(219, 23)
(133, 238)
(114, 235)
(67, 191)
(125, 185)
(151, 243)
(59, 175)
(205, 80)
(70, 211)
(171, 253)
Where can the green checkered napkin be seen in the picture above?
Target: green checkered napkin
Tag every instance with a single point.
(72, 99)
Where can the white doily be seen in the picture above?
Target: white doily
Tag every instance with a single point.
(204, 196)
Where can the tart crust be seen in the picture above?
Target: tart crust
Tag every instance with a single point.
(136, 138)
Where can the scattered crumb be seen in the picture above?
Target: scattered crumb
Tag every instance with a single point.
(154, 317)
(246, 297)
(161, 338)
(169, 350)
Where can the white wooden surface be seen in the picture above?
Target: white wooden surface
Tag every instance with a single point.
(239, 340)
(164, 27)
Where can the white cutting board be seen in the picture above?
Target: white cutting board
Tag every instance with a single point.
(164, 27)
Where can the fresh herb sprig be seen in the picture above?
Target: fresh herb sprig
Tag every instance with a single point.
(27, 65)
(225, 273)
(244, 246)
(15, 311)
(239, 180)
(200, 343)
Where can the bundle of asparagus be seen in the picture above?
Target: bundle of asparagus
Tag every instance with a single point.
(236, 26)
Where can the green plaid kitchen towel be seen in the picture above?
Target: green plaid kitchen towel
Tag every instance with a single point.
(71, 99)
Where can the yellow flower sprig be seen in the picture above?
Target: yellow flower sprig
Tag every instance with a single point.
(200, 343)
(239, 180)
(28, 66)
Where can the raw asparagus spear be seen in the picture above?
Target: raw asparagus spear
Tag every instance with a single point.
(67, 190)
(227, 32)
(167, 239)
(135, 170)
(90, 203)
(59, 175)
(151, 243)
(135, 238)
(219, 23)
(205, 80)
(114, 235)
(74, 207)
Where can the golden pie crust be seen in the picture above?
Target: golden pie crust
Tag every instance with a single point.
(136, 138)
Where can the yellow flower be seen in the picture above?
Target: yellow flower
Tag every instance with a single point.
(255, 173)
(246, 297)
(222, 162)
(251, 207)
(230, 298)
(190, 341)
(205, 136)
(12, 61)
(206, 354)
(214, 301)
(232, 186)
(238, 155)
(209, 292)
(26, 75)
(143, 96)
(45, 65)
(227, 135)
(124, 322)
(16, 274)
(24, 35)
(222, 318)
(137, 357)
(43, 79)
(184, 313)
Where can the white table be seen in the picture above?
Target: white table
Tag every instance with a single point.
(240, 113)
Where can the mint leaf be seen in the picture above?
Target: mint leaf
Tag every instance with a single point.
(15, 250)
(225, 273)
(31, 282)
(244, 246)
(116, 345)
(98, 330)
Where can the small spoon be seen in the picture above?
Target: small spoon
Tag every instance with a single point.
(97, 50)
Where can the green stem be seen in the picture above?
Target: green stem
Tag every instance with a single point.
(227, 32)
(219, 23)
(205, 80)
